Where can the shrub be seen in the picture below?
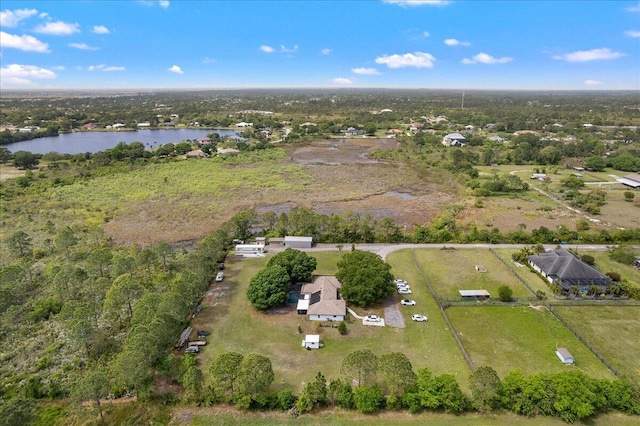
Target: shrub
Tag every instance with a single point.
(505, 293)
(588, 259)
(614, 276)
(342, 328)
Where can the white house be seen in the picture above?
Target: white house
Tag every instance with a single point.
(311, 341)
(320, 299)
(564, 355)
(454, 139)
(243, 124)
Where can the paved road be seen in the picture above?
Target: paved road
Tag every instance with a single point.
(385, 249)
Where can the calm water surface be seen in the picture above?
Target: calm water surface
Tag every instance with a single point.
(81, 142)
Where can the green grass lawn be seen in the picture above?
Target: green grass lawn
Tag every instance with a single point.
(509, 338)
(525, 273)
(454, 270)
(614, 331)
(236, 326)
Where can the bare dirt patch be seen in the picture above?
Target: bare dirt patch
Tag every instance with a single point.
(341, 151)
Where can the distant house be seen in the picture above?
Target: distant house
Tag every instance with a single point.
(298, 242)
(144, 124)
(385, 110)
(118, 126)
(562, 268)
(227, 151)
(632, 181)
(276, 241)
(196, 153)
(204, 140)
(474, 294)
(320, 299)
(497, 139)
(539, 176)
(454, 139)
(352, 131)
(243, 124)
(564, 355)
(394, 132)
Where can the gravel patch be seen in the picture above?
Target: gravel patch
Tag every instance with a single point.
(392, 315)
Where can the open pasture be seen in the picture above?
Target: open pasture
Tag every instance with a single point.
(525, 338)
(453, 270)
(612, 330)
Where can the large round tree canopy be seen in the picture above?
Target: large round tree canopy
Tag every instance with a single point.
(365, 278)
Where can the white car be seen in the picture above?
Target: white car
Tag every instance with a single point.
(419, 318)
(405, 290)
(372, 318)
(408, 302)
(400, 282)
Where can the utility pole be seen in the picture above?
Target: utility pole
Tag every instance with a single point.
(462, 99)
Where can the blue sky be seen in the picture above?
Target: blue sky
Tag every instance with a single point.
(126, 44)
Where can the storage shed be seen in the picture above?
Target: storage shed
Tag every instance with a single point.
(474, 294)
(564, 355)
(311, 341)
(298, 242)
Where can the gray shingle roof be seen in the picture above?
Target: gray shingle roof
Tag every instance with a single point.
(568, 269)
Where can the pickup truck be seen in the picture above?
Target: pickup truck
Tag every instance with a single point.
(192, 350)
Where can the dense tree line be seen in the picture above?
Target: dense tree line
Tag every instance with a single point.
(370, 383)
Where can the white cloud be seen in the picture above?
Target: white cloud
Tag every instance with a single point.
(426, 34)
(589, 55)
(634, 8)
(267, 49)
(418, 2)
(176, 69)
(104, 68)
(417, 60)
(25, 42)
(100, 29)
(58, 68)
(365, 71)
(11, 18)
(162, 3)
(454, 42)
(341, 80)
(592, 82)
(24, 74)
(57, 28)
(326, 51)
(485, 58)
(83, 46)
(284, 49)
(208, 60)
(633, 33)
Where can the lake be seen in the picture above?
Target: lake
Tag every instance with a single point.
(81, 142)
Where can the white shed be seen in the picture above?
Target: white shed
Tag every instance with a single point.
(298, 242)
(564, 355)
(311, 341)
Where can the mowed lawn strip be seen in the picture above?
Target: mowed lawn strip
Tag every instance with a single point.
(509, 338)
(453, 270)
(439, 351)
(236, 326)
(525, 272)
(223, 416)
(613, 331)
